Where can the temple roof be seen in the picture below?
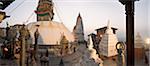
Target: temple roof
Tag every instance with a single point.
(105, 27)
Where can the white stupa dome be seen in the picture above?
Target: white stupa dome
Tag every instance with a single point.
(50, 32)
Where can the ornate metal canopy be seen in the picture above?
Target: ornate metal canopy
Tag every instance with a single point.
(5, 3)
(125, 1)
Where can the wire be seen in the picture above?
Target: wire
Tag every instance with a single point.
(16, 7)
(58, 14)
(29, 18)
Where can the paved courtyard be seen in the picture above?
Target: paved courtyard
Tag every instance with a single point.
(6, 62)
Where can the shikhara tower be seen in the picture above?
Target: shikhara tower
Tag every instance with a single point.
(139, 47)
(45, 10)
(138, 41)
(107, 46)
(79, 30)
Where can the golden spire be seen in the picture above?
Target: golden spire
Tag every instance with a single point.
(64, 40)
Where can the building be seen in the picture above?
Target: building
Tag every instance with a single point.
(95, 40)
(139, 48)
(107, 45)
(64, 47)
(102, 31)
(50, 40)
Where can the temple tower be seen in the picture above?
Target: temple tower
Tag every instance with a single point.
(139, 47)
(45, 10)
(138, 41)
(107, 46)
(79, 30)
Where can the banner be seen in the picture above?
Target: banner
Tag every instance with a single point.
(42, 13)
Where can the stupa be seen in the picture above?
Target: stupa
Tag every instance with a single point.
(64, 47)
(107, 46)
(50, 31)
(139, 43)
(139, 48)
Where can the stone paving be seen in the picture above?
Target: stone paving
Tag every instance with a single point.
(113, 63)
(7, 62)
(140, 63)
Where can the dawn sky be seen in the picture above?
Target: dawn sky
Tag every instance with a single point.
(95, 14)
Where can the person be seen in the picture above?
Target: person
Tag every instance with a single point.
(18, 50)
(0, 52)
(6, 53)
(146, 57)
(44, 59)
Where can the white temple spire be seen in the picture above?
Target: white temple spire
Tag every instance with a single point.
(108, 25)
(109, 30)
(90, 46)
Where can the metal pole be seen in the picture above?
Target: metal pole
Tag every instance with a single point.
(36, 35)
(23, 50)
(129, 7)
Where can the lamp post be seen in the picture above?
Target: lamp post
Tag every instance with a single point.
(129, 8)
(120, 46)
(23, 34)
(7, 31)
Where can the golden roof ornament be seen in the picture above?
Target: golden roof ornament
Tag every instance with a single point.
(64, 40)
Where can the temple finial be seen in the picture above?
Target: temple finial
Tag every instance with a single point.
(109, 30)
(138, 33)
(108, 24)
(79, 16)
(7, 24)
